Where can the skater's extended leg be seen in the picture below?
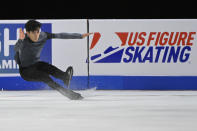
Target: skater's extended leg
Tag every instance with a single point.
(32, 74)
(66, 92)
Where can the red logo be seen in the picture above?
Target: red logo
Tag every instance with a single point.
(95, 39)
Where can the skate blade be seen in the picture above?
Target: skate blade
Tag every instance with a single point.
(77, 98)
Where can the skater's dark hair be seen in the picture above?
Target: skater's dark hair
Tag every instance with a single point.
(32, 25)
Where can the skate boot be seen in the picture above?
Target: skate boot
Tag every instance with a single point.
(68, 76)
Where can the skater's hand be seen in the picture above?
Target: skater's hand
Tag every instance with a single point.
(21, 34)
(86, 34)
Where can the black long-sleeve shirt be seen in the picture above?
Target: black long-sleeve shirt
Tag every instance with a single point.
(28, 52)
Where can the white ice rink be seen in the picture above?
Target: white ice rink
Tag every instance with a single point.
(99, 111)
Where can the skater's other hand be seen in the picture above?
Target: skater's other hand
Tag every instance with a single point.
(21, 34)
(86, 34)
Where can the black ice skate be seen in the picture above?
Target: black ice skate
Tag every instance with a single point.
(70, 94)
(68, 76)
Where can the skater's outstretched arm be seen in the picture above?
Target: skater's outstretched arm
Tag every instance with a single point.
(67, 35)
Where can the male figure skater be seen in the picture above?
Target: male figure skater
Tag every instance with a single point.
(27, 55)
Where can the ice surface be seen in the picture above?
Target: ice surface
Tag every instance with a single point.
(99, 111)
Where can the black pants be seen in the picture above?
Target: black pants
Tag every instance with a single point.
(41, 72)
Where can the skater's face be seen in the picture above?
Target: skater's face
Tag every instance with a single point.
(34, 35)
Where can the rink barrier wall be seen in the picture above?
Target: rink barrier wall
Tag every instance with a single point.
(110, 83)
(17, 83)
(110, 65)
(144, 82)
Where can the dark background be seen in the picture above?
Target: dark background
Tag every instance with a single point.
(74, 9)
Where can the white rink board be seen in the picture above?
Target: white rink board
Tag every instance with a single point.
(70, 52)
(107, 29)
